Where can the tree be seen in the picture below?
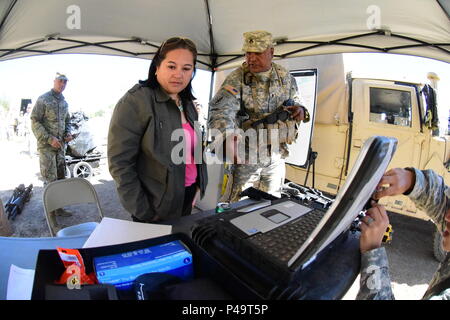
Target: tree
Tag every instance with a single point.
(4, 105)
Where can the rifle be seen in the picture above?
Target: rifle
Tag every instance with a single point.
(308, 194)
(15, 204)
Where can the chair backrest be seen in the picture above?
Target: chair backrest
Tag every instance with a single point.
(61, 193)
(5, 227)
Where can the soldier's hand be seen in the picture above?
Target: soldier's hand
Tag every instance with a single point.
(297, 112)
(232, 149)
(373, 226)
(394, 182)
(55, 143)
(68, 138)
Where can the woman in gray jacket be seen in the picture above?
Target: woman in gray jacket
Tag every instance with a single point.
(154, 140)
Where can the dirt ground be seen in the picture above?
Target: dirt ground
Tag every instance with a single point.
(31, 222)
(19, 165)
(410, 254)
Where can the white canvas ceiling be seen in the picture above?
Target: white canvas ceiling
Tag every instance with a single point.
(305, 27)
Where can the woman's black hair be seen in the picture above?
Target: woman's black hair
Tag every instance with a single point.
(160, 55)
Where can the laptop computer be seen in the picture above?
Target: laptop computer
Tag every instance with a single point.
(280, 237)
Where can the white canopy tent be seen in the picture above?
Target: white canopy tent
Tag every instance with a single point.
(301, 27)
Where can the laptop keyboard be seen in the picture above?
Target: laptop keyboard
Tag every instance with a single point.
(283, 242)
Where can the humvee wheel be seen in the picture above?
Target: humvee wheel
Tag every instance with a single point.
(82, 170)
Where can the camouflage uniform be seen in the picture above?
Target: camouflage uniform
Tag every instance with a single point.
(431, 195)
(50, 118)
(261, 93)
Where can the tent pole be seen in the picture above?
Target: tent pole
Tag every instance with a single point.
(213, 55)
(211, 84)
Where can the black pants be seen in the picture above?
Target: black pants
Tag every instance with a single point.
(189, 194)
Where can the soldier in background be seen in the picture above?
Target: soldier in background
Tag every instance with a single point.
(249, 94)
(50, 124)
(429, 193)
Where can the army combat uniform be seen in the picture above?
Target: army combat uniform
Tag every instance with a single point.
(431, 195)
(50, 118)
(260, 93)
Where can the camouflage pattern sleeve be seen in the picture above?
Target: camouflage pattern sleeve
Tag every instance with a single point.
(67, 124)
(375, 283)
(226, 103)
(223, 109)
(431, 195)
(37, 116)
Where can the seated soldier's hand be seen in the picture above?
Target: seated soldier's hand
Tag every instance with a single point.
(297, 112)
(394, 182)
(373, 226)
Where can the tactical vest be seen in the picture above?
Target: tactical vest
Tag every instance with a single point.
(256, 103)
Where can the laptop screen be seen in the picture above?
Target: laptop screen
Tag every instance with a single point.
(359, 186)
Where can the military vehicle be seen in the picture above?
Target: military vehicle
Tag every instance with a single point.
(348, 111)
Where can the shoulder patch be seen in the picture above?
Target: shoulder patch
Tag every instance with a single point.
(231, 90)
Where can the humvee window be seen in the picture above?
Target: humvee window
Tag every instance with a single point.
(390, 106)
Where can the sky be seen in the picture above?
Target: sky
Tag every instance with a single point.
(97, 82)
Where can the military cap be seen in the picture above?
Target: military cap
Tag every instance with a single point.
(257, 41)
(61, 76)
(433, 76)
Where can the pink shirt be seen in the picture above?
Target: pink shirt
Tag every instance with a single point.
(191, 167)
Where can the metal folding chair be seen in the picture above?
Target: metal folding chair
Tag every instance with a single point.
(61, 193)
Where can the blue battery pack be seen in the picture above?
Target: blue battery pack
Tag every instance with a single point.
(122, 269)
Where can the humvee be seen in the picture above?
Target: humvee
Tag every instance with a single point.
(348, 111)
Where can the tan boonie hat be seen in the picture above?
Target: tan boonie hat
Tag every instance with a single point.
(257, 41)
(61, 76)
(433, 76)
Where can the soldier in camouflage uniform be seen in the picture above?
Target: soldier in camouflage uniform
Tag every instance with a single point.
(430, 194)
(258, 87)
(50, 125)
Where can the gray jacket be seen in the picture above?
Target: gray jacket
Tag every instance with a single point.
(140, 150)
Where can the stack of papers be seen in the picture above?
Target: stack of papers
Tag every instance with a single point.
(115, 231)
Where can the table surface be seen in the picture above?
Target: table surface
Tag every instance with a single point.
(23, 252)
(336, 271)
